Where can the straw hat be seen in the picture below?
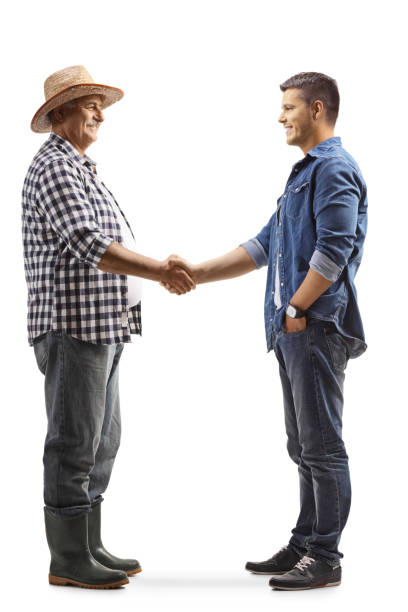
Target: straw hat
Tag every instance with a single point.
(69, 84)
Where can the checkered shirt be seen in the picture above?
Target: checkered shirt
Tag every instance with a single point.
(68, 223)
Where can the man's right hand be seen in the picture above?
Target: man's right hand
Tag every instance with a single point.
(177, 275)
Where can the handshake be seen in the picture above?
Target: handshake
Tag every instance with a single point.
(178, 275)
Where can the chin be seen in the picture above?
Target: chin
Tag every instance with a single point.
(92, 137)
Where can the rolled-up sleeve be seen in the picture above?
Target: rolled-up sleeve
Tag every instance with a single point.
(63, 200)
(258, 247)
(335, 207)
(256, 252)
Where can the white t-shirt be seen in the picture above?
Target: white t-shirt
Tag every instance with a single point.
(134, 282)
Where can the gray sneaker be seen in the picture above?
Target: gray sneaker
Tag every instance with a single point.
(309, 573)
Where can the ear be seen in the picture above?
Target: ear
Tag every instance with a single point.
(317, 110)
(58, 114)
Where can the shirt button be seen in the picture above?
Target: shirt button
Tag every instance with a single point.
(296, 170)
(271, 319)
(284, 195)
(281, 284)
(280, 254)
(273, 293)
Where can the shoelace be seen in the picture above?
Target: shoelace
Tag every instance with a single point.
(304, 562)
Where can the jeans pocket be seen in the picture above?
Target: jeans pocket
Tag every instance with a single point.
(296, 333)
(41, 353)
(337, 349)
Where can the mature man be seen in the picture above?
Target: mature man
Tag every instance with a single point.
(83, 305)
(312, 245)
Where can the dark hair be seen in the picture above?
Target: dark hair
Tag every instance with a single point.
(316, 86)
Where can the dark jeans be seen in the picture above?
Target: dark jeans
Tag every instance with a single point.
(83, 436)
(311, 365)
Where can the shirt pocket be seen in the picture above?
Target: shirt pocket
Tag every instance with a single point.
(296, 200)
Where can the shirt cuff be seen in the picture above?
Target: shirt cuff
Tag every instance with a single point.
(325, 266)
(256, 252)
(92, 248)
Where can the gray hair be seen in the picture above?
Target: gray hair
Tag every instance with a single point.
(70, 104)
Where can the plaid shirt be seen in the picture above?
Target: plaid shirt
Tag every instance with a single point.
(68, 223)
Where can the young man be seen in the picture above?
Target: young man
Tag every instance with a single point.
(313, 246)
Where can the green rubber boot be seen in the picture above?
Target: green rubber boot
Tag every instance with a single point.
(71, 559)
(99, 552)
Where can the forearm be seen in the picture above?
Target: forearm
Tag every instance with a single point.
(119, 260)
(311, 288)
(232, 264)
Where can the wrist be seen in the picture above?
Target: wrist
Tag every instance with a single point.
(199, 272)
(294, 312)
(159, 271)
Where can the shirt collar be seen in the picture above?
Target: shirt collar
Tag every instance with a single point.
(318, 151)
(323, 147)
(67, 147)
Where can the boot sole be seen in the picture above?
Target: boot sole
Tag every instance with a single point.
(316, 586)
(133, 572)
(58, 581)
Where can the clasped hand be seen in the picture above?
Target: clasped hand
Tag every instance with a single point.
(177, 275)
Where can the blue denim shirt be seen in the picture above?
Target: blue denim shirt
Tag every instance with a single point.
(320, 222)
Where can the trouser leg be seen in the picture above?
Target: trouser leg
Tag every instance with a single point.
(314, 361)
(76, 379)
(307, 514)
(110, 435)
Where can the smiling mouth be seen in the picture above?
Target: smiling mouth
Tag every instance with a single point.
(287, 129)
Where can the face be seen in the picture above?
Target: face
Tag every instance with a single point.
(296, 118)
(80, 123)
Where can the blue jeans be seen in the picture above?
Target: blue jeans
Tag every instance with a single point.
(84, 427)
(311, 365)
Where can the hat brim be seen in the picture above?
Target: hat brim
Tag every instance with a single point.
(40, 123)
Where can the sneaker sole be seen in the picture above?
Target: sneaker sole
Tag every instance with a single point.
(316, 586)
(58, 581)
(268, 573)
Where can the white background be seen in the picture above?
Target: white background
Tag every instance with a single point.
(197, 159)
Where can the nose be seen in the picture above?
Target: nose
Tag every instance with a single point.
(281, 118)
(99, 116)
